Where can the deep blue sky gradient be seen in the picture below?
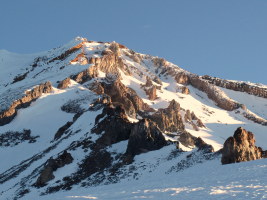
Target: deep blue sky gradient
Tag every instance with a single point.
(226, 39)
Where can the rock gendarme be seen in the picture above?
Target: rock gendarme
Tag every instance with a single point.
(241, 147)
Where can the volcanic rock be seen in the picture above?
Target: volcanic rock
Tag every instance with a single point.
(52, 165)
(185, 90)
(121, 95)
(30, 96)
(241, 147)
(64, 83)
(237, 86)
(145, 136)
(214, 93)
(150, 89)
(168, 119)
(182, 78)
(113, 122)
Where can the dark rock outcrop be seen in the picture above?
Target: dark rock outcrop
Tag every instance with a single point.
(118, 93)
(151, 93)
(114, 125)
(64, 83)
(20, 77)
(145, 136)
(187, 116)
(62, 130)
(191, 118)
(65, 128)
(127, 97)
(115, 48)
(253, 117)
(186, 78)
(168, 119)
(52, 165)
(150, 89)
(110, 63)
(186, 139)
(30, 96)
(96, 87)
(12, 138)
(81, 59)
(67, 53)
(241, 147)
(159, 62)
(200, 123)
(182, 78)
(189, 140)
(185, 90)
(85, 75)
(207, 148)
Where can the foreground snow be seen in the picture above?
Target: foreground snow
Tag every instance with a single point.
(209, 180)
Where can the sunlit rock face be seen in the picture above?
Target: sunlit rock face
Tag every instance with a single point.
(241, 147)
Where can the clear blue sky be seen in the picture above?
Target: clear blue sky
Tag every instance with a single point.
(222, 38)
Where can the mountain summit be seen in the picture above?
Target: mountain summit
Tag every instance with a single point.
(98, 120)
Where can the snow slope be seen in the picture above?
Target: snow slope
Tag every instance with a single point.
(209, 180)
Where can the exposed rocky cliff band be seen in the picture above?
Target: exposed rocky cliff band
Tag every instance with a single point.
(9, 114)
(184, 77)
(237, 86)
(214, 93)
(68, 52)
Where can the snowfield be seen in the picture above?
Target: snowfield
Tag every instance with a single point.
(209, 180)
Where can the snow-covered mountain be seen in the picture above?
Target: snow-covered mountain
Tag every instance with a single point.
(95, 120)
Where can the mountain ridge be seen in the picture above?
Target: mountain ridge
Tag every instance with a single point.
(99, 95)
